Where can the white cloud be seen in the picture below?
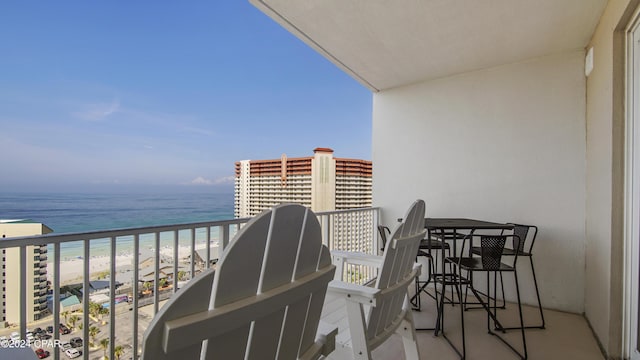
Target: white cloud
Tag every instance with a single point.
(204, 181)
(98, 112)
(201, 181)
(225, 180)
(199, 131)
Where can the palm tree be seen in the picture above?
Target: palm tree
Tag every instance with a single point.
(182, 275)
(65, 314)
(94, 309)
(118, 351)
(104, 343)
(147, 286)
(73, 319)
(93, 331)
(103, 311)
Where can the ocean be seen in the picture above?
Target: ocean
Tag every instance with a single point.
(81, 212)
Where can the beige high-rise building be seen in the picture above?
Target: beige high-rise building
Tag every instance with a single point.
(36, 281)
(320, 182)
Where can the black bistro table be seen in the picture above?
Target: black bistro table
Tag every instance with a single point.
(457, 224)
(453, 227)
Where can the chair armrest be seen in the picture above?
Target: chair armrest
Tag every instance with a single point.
(340, 258)
(327, 337)
(357, 258)
(324, 344)
(353, 292)
(417, 267)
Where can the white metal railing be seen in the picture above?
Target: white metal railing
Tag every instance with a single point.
(353, 230)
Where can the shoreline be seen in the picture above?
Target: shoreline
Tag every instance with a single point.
(124, 245)
(72, 268)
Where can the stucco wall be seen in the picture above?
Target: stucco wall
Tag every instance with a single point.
(502, 144)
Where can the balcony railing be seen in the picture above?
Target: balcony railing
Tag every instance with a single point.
(353, 230)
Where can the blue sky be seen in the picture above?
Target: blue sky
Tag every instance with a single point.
(115, 94)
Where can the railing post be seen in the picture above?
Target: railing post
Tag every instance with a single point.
(176, 248)
(325, 231)
(86, 289)
(112, 297)
(374, 239)
(23, 292)
(136, 251)
(208, 238)
(193, 252)
(56, 299)
(333, 238)
(156, 276)
(225, 236)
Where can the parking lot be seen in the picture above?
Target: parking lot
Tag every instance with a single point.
(124, 319)
(39, 338)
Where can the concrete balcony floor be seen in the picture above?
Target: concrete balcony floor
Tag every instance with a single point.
(566, 335)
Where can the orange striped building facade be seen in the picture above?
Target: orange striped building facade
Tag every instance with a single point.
(320, 182)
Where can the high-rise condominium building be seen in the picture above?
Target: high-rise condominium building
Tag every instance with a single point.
(320, 182)
(36, 281)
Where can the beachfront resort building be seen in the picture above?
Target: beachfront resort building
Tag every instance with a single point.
(321, 182)
(36, 274)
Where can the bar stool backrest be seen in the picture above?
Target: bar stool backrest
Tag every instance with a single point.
(383, 231)
(491, 247)
(525, 233)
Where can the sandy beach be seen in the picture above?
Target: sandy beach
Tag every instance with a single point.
(71, 270)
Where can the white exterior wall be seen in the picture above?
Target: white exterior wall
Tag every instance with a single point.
(267, 191)
(323, 182)
(13, 281)
(604, 272)
(242, 193)
(11, 274)
(264, 192)
(504, 144)
(352, 192)
(318, 187)
(3, 289)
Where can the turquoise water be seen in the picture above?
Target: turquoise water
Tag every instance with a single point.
(70, 213)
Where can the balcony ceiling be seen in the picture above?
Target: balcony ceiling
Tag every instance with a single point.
(385, 44)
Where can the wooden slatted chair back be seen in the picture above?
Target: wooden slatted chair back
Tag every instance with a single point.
(396, 274)
(263, 301)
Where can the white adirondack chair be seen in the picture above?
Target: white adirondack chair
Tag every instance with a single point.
(367, 316)
(262, 302)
